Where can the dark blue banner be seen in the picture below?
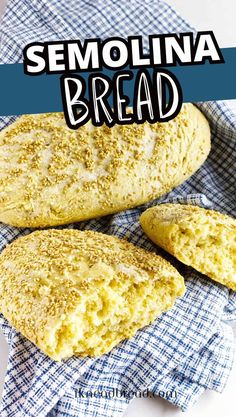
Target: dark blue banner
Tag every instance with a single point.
(22, 94)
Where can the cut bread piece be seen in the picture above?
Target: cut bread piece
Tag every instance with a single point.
(81, 293)
(203, 239)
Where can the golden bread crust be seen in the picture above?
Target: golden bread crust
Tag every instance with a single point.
(51, 175)
(203, 239)
(73, 292)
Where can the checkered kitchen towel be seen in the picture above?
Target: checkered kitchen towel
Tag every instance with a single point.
(187, 349)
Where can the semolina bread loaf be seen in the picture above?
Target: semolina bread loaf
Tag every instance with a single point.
(52, 175)
(81, 292)
(203, 239)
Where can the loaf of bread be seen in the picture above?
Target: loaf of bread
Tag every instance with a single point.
(81, 293)
(203, 239)
(52, 175)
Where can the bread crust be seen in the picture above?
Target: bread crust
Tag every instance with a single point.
(51, 175)
(201, 238)
(82, 292)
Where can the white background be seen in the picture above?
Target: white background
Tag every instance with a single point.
(219, 16)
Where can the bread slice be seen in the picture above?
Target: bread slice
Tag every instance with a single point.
(203, 239)
(52, 175)
(81, 293)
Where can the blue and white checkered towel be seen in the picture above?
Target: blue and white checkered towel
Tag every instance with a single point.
(187, 349)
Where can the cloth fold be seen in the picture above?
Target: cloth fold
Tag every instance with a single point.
(186, 350)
